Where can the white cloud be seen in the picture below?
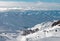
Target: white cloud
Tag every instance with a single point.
(29, 5)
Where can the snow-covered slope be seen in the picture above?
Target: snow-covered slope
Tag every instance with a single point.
(41, 34)
(35, 21)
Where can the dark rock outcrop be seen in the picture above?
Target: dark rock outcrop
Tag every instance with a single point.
(26, 32)
(56, 23)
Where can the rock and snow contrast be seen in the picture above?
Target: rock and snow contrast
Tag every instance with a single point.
(29, 20)
(49, 31)
(36, 34)
(30, 25)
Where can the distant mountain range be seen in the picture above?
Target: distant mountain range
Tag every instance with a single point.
(22, 19)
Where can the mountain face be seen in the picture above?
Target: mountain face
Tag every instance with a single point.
(37, 33)
(40, 32)
(16, 19)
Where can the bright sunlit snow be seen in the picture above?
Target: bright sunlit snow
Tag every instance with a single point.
(44, 30)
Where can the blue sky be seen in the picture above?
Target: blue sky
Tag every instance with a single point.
(56, 1)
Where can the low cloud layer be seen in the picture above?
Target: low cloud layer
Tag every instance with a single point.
(30, 5)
